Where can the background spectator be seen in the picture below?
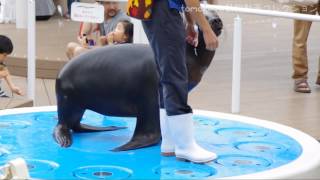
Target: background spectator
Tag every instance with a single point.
(44, 9)
(68, 8)
(6, 48)
(65, 12)
(112, 15)
(123, 33)
(299, 56)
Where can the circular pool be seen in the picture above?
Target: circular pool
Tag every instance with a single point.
(246, 147)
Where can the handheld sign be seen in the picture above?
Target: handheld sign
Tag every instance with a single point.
(87, 12)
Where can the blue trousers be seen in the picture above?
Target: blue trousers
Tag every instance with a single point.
(69, 5)
(166, 34)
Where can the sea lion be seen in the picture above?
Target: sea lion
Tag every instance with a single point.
(120, 80)
(199, 58)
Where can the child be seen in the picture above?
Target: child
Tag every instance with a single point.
(123, 33)
(6, 48)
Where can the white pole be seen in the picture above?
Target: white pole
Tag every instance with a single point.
(138, 33)
(261, 12)
(136, 30)
(31, 50)
(236, 69)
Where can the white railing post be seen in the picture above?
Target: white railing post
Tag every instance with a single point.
(236, 68)
(31, 50)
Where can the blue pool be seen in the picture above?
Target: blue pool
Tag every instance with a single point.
(241, 148)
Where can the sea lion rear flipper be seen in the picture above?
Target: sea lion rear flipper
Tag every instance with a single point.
(147, 131)
(139, 142)
(87, 128)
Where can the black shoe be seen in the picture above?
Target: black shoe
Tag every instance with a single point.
(3, 94)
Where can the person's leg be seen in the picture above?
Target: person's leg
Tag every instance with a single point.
(299, 51)
(167, 144)
(166, 34)
(64, 7)
(69, 6)
(69, 3)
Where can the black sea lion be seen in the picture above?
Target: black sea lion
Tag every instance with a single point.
(120, 80)
(199, 58)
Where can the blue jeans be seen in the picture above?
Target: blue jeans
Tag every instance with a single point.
(69, 5)
(166, 34)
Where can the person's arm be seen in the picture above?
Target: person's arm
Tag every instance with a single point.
(192, 34)
(210, 37)
(3, 73)
(86, 30)
(13, 88)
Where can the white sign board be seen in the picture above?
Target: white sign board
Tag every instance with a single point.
(87, 12)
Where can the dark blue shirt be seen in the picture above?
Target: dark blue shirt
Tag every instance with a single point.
(177, 4)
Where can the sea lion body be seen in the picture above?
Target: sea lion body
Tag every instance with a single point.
(121, 80)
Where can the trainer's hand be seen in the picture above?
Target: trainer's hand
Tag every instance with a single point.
(210, 39)
(192, 35)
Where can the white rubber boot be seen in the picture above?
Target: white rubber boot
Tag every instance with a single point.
(181, 128)
(167, 145)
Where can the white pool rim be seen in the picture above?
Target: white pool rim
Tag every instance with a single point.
(307, 165)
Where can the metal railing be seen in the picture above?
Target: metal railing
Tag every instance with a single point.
(31, 50)
(237, 41)
(140, 38)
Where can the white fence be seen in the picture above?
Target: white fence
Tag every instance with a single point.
(237, 41)
(139, 37)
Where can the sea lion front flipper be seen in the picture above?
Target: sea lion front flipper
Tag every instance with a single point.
(62, 135)
(87, 128)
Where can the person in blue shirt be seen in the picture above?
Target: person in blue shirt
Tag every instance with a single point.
(167, 35)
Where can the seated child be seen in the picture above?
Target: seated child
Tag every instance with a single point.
(123, 33)
(6, 48)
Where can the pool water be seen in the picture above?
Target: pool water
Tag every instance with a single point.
(241, 148)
